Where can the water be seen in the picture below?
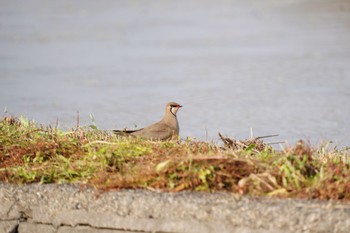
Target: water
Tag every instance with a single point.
(274, 66)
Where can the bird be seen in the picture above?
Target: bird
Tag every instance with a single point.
(165, 129)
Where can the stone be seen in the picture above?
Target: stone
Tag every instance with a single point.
(29, 227)
(8, 226)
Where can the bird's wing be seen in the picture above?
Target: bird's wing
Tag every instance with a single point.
(158, 130)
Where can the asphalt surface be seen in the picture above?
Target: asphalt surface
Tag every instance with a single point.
(68, 208)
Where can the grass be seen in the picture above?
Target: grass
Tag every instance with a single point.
(33, 153)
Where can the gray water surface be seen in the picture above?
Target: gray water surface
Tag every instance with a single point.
(274, 66)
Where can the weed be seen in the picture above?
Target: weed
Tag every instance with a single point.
(34, 153)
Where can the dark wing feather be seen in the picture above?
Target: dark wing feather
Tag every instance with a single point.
(125, 132)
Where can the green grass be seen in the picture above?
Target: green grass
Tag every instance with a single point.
(33, 153)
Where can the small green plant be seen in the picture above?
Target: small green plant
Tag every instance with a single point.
(34, 153)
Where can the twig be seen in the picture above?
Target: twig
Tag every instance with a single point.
(218, 157)
(267, 136)
(271, 143)
(99, 142)
(78, 119)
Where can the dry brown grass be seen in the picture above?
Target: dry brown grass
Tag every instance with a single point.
(31, 153)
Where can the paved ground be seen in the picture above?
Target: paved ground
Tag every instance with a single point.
(66, 208)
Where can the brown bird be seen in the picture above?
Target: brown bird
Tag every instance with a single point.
(167, 128)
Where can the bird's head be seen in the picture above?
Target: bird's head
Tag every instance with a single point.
(172, 107)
